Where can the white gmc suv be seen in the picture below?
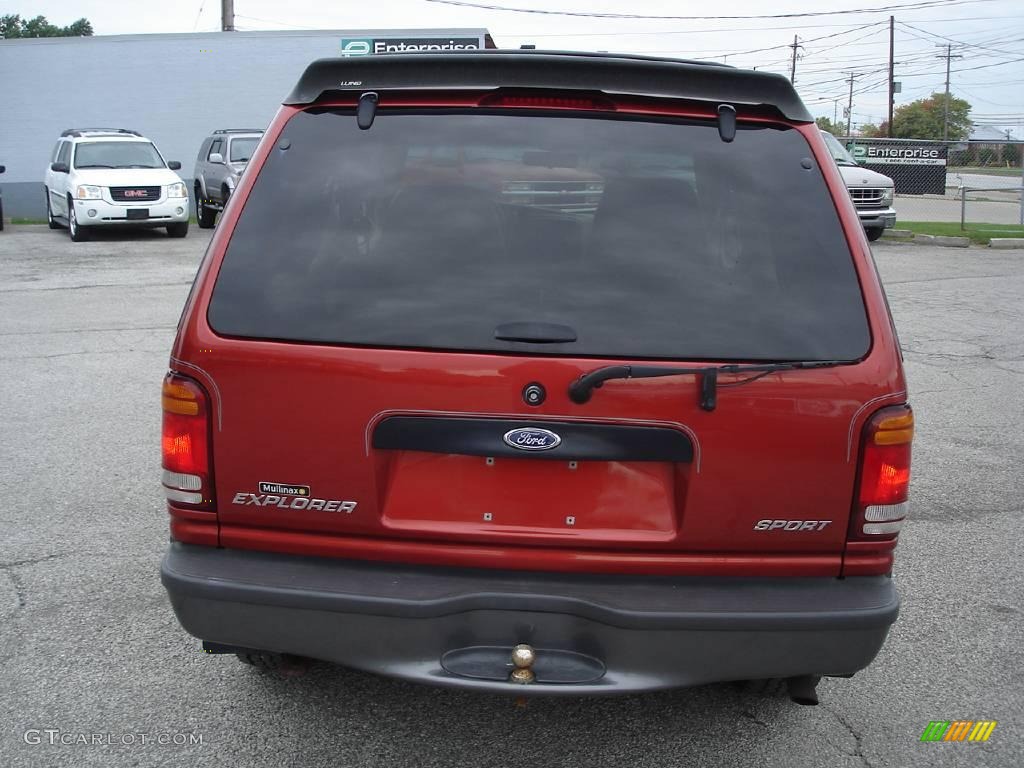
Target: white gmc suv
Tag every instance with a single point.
(113, 176)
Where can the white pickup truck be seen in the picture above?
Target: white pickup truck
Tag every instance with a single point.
(872, 192)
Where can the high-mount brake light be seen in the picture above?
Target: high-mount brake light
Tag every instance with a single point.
(186, 443)
(543, 101)
(884, 473)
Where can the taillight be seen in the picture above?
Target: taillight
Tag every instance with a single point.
(884, 474)
(186, 443)
(542, 100)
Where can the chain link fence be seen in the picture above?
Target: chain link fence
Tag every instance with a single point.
(968, 187)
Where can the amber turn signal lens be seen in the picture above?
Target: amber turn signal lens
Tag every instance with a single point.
(179, 399)
(895, 430)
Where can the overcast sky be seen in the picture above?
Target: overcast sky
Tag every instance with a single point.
(989, 34)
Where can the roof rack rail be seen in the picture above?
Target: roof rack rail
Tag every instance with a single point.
(239, 130)
(83, 131)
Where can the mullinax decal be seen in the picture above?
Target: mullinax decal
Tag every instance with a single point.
(289, 496)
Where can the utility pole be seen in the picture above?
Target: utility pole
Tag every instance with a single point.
(227, 15)
(948, 56)
(792, 71)
(835, 111)
(849, 108)
(892, 70)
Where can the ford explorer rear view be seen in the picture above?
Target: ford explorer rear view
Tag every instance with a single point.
(543, 373)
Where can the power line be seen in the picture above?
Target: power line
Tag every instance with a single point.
(269, 21)
(812, 40)
(599, 15)
(957, 42)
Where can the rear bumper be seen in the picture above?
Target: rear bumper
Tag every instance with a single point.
(639, 633)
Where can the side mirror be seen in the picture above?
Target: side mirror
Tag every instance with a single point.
(174, 165)
(217, 157)
(59, 167)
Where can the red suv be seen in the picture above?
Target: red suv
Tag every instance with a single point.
(420, 426)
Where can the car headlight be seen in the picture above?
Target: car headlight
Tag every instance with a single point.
(88, 192)
(176, 190)
(887, 196)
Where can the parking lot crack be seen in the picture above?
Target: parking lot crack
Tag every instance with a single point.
(19, 586)
(943, 279)
(34, 560)
(16, 582)
(754, 718)
(74, 354)
(858, 738)
(88, 330)
(132, 286)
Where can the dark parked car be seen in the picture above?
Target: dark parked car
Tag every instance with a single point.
(424, 427)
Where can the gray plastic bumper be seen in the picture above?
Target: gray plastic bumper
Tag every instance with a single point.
(877, 219)
(642, 633)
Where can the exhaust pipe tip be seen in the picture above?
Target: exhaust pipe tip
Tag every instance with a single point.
(803, 689)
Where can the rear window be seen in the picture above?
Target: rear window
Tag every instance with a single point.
(646, 238)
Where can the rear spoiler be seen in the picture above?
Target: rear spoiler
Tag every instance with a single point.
(613, 74)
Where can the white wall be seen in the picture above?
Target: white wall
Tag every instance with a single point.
(174, 89)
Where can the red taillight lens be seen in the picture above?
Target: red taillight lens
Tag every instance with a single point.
(186, 443)
(884, 473)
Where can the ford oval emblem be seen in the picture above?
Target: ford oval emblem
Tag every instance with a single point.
(532, 439)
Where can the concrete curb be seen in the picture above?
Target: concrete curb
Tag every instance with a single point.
(898, 234)
(944, 241)
(1006, 243)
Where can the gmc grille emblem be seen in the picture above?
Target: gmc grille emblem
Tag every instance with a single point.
(135, 193)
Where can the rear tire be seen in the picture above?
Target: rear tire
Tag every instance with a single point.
(79, 234)
(874, 234)
(177, 230)
(204, 216)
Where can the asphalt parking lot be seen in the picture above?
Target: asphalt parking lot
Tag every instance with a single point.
(88, 643)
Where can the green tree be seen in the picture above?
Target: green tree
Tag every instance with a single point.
(12, 26)
(923, 119)
(872, 131)
(836, 129)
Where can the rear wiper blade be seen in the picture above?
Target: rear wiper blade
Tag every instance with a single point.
(582, 388)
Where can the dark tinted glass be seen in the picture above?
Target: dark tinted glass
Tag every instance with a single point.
(647, 239)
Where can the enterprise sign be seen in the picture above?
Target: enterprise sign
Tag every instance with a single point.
(916, 168)
(363, 46)
(897, 155)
